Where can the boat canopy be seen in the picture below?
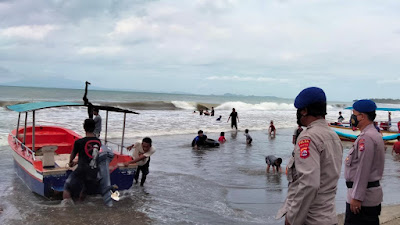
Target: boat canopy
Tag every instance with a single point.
(26, 107)
(379, 109)
(32, 106)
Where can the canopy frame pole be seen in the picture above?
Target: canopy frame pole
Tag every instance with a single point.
(123, 133)
(105, 138)
(16, 132)
(26, 118)
(33, 130)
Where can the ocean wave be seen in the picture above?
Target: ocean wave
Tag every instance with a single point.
(268, 106)
(6, 103)
(187, 105)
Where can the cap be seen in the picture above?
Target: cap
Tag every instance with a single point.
(309, 96)
(364, 105)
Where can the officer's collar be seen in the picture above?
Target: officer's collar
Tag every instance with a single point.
(315, 122)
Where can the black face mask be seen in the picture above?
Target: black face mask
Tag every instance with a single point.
(353, 120)
(298, 115)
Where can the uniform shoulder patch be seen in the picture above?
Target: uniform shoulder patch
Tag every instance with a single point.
(361, 145)
(304, 148)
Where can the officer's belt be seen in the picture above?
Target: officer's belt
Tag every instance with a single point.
(372, 184)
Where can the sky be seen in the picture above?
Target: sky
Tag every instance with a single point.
(351, 49)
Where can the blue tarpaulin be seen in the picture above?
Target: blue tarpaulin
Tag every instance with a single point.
(380, 109)
(26, 107)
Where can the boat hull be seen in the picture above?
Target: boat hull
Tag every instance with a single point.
(49, 182)
(347, 134)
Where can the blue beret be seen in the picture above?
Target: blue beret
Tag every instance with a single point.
(309, 96)
(364, 105)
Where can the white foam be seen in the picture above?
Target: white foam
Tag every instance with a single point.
(269, 106)
(184, 105)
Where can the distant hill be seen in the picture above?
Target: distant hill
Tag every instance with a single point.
(384, 100)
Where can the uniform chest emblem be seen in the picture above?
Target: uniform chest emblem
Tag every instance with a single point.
(361, 145)
(304, 148)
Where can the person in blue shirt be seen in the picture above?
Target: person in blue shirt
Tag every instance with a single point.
(199, 140)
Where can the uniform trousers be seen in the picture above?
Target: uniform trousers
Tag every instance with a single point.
(367, 215)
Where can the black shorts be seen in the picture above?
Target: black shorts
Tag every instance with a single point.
(144, 169)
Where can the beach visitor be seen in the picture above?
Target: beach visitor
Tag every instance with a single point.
(396, 146)
(234, 116)
(364, 168)
(97, 120)
(212, 111)
(377, 128)
(398, 127)
(83, 180)
(200, 140)
(248, 137)
(275, 162)
(87, 102)
(314, 168)
(219, 118)
(389, 120)
(272, 128)
(340, 118)
(141, 156)
(221, 138)
(296, 134)
(206, 113)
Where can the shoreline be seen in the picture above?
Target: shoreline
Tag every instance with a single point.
(390, 215)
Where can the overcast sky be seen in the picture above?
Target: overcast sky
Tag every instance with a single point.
(351, 49)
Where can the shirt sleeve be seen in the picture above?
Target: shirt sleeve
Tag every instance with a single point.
(365, 151)
(149, 153)
(307, 163)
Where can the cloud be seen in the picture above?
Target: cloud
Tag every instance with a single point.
(107, 50)
(33, 32)
(389, 81)
(247, 78)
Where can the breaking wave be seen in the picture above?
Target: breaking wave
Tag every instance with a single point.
(187, 105)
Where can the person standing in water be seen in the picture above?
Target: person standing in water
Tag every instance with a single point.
(97, 120)
(272, 129)
(235, 117)
(141, 156)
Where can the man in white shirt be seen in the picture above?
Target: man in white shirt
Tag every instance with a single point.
(141, 156)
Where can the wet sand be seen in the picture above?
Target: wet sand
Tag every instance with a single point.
(225, 185)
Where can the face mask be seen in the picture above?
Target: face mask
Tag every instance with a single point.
(353, 120)
(299, 116)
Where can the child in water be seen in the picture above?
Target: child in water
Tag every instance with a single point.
(248, 137)
(272, 128)
(221, 138)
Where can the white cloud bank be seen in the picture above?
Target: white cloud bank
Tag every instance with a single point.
(33, 32)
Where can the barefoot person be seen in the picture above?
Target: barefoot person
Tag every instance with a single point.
(275, 162)
(83, 180)
(141, 156)
(235, 118)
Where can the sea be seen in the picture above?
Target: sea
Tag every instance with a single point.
(224, 185)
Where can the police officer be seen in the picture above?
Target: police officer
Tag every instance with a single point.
(314, 168)
(364, 168)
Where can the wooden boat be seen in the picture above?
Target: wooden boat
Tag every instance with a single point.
(41, 153)
(346, 132)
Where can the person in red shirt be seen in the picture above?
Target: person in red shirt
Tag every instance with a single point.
(396, 146)
(222, 139)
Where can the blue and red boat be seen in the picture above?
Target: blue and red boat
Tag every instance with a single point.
(41, 152)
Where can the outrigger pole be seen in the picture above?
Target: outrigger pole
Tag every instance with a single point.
(107, 109)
